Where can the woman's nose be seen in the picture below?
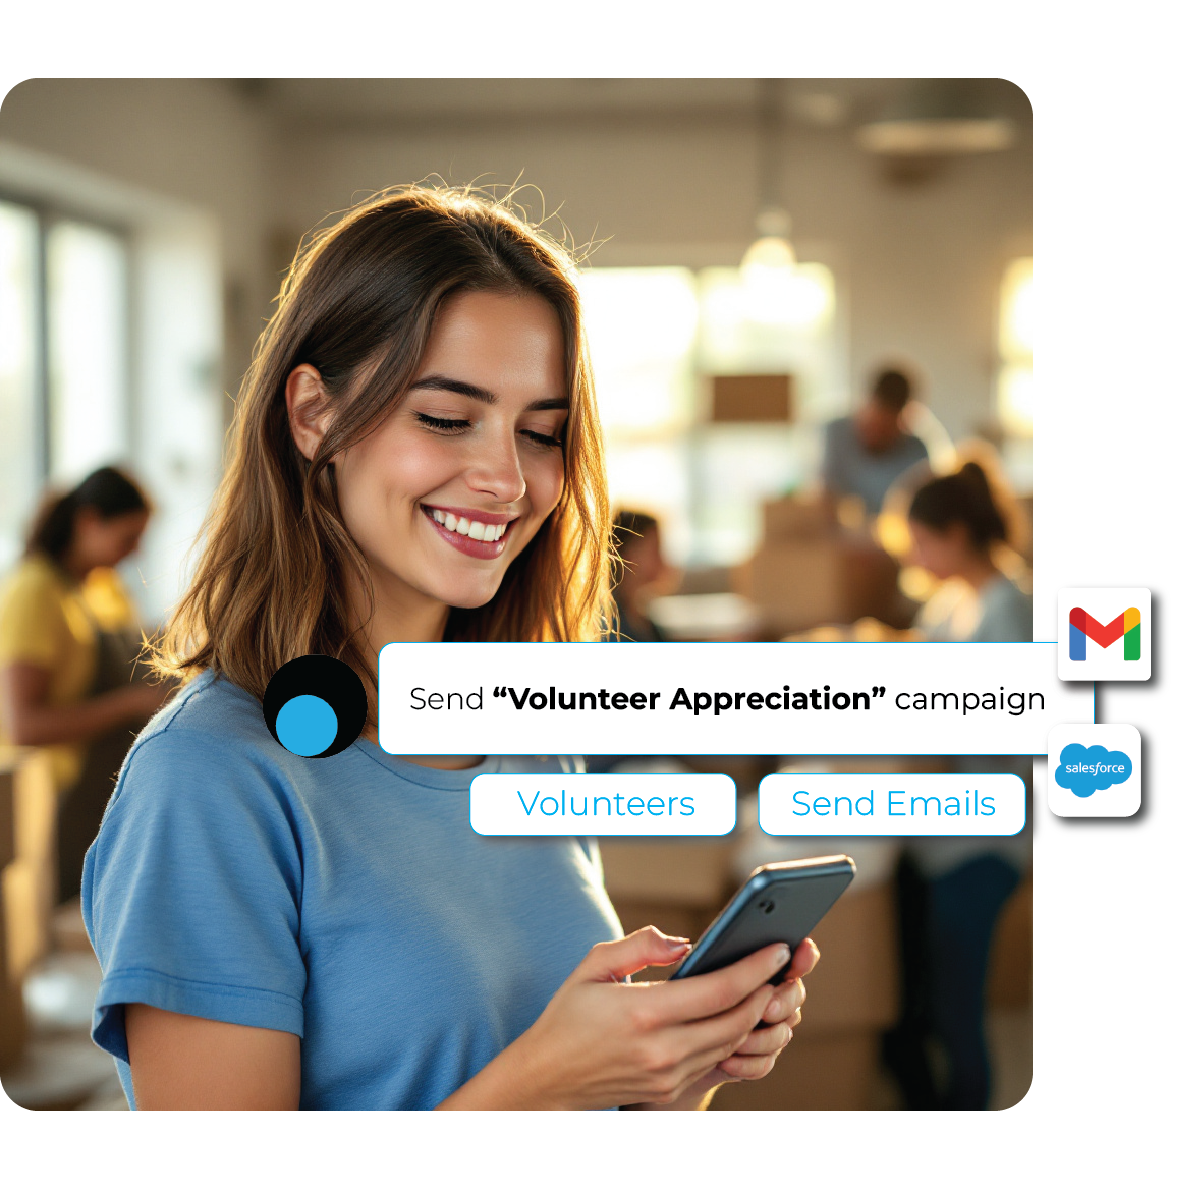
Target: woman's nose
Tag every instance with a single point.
(497, 470)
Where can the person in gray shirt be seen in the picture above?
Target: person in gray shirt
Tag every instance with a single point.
(865, 453)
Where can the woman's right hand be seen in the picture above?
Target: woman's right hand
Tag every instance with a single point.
(602, 1043)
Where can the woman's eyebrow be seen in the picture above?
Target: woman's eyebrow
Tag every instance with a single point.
(444, 383)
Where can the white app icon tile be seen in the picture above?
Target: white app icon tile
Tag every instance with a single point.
(1094, 770)
(1104, 633)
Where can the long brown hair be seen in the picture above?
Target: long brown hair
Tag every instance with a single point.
(359, 304)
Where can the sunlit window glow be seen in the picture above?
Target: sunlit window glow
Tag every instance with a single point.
(1016, 329)
(18, 374)
(88, 349)
(655, 335)
(1014, 385)
(1015, 388)
(641, 327)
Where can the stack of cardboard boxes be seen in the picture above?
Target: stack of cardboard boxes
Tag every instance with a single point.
(811, 571)
(27, 884)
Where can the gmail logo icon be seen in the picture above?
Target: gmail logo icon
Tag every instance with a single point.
(1104, 633)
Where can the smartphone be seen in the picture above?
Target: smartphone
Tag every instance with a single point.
(780, 902)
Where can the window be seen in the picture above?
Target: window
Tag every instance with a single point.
(64, 357)
(1014, 380)
(87, 303)
(19, 374)
(657, 336)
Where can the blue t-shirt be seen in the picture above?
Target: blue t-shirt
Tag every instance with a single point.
(346, 900)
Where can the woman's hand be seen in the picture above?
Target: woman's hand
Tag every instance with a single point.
(756, 1056)
(603, 1043)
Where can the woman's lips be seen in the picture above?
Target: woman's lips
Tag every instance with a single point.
(480, 525)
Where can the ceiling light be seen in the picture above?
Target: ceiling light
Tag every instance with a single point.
(940, 117)
(938, 135)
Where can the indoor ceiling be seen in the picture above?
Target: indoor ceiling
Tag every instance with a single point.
(819, 103)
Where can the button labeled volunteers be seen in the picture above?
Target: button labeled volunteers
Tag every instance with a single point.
(635, 805)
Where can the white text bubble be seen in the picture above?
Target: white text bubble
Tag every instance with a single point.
(749, 698)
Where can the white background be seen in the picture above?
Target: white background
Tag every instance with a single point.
(1112, 1108)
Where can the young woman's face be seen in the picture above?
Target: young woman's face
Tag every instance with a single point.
(100, 541)
(942, 554)
(454, 484)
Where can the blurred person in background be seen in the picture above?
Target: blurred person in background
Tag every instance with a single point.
(865, 453)
(956, 525)
(952, 890)
(638, 567)
(69, 638)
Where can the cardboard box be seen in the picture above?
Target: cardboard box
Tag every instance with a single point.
(804, 518)
(30, 881)
(28, 821)
(802, 583)
(693, 872)
(741, 398)
(13, 1029)
(795, 584)
(815, 1073)
(8, 843)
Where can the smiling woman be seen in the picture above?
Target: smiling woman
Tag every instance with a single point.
(416, 457)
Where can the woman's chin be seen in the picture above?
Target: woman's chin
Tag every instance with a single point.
(469, 593)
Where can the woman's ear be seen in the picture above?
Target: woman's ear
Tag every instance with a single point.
(308, 408)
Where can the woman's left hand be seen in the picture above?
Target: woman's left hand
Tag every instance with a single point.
(757, 1054)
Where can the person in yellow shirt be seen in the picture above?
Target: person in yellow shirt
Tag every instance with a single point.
(68, 640)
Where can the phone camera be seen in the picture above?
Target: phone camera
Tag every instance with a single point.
(768, 906)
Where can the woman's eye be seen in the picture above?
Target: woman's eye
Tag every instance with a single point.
(445, 424)
(543, 439)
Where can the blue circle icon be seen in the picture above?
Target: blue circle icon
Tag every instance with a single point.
(306, 726)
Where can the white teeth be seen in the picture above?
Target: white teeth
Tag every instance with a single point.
(475, 530)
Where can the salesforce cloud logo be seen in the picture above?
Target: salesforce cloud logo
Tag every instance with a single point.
(1085, 770)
